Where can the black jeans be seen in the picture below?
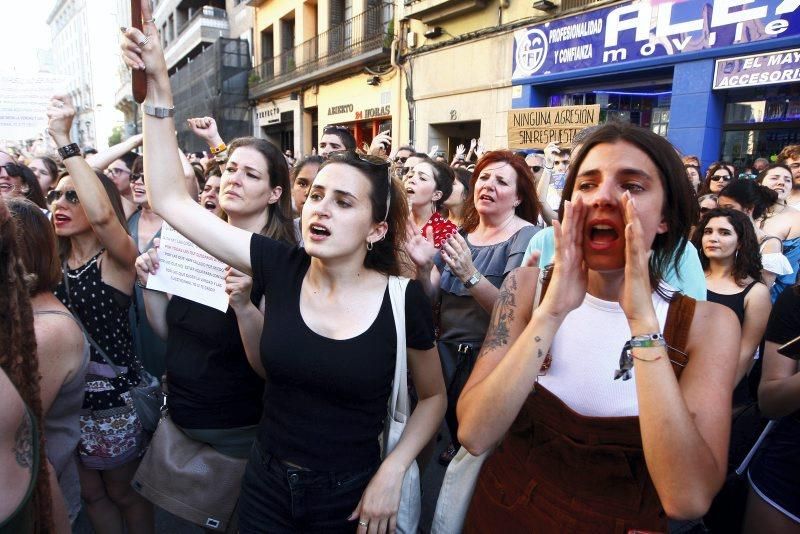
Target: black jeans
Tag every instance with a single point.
(278, 498)
(457, 360)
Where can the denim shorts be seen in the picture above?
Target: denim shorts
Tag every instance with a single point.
(278, 498)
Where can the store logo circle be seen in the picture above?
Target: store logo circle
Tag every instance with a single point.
(532, 51)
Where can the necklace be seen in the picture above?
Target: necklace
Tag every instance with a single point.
(500, 230)
(93, 261)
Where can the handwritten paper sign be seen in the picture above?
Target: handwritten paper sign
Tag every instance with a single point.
(188, 271)
(23, 104)
(538, 127)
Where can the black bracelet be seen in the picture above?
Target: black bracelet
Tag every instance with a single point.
(68, 151)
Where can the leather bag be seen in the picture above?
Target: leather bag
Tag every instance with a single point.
(189, 479)
(399, 411)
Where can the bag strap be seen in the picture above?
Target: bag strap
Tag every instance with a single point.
(676, 330)
(75, 316)
(399, 405)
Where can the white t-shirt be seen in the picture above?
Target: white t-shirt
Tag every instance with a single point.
(586, 351)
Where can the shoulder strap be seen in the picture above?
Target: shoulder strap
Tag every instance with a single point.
(676, 330)
(75, 316)
(399, 406)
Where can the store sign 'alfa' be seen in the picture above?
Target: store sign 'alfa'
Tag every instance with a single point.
(644, 29)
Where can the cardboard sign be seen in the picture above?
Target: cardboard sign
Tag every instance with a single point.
(538, 127)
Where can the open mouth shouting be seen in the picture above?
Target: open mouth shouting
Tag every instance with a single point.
(61, 219)
(318, 232)
(210, 205)
(602, 234)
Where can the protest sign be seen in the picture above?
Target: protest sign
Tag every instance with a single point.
(23, 104)
(538, 127)
(188, 271)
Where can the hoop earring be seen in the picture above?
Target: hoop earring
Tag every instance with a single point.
(370, 245)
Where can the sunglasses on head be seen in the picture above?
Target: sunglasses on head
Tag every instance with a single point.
(55, 195)
(136, 176)
(335, 128)
(12, 169)
(718, 178)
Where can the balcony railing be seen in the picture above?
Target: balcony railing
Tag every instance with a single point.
(369, 31)
(209, 12)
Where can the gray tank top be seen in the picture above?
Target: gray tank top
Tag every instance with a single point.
(62, 429)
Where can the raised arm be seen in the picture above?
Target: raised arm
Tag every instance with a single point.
(162, 166)
(93, 197)
(104, 158)
(188, 175)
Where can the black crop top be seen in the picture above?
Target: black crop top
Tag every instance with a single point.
(325, 400)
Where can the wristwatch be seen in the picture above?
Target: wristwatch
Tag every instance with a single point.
(68, 151)
(159, 113)
(473, 280)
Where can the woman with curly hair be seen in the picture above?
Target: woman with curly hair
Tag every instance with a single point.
(25, 503)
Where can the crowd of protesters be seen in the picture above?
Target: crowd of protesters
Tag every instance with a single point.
(604, 328)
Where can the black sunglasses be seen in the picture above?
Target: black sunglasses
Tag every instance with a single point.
(400, 159)
(718, 178)
(135, 176)
(12, 169)
(55, 195)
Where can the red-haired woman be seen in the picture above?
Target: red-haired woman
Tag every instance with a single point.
(498, 223)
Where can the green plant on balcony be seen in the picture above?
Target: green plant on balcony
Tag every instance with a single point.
(290, 64)
(389, 37)
(253, 79)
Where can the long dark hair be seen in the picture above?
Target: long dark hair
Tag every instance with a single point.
(528, 208)
(444, 176)
(705, 185)
(52, 168)
(750, 195)
(747, 260)
(680, 205)
(279, 225)
(18, 342)
(386, 253)
(34, 192)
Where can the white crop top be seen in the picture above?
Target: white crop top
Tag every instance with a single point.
(586, 352)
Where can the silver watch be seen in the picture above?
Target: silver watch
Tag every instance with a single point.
(473, 280)
(157, 112)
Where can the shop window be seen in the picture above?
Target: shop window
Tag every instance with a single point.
(648, 109)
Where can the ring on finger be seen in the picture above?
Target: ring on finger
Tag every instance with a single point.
(144, 41)
(153, 20)
(363, 523)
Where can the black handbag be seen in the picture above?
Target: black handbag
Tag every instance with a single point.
(147, 396)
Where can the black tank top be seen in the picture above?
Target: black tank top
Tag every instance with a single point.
(734, 301)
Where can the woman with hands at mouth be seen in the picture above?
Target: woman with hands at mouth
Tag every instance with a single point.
(600, 433)
(473, 263)
(329, 346)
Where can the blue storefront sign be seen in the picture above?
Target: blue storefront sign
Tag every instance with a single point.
(771, 68)
(632, 32)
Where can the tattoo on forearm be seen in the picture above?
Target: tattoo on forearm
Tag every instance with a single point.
(502, 315)
(23, 447)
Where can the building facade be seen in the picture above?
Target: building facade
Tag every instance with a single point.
(322, 63)
(85, 50)
(720, 79)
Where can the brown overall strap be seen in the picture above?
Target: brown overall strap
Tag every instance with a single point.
(676, 330)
